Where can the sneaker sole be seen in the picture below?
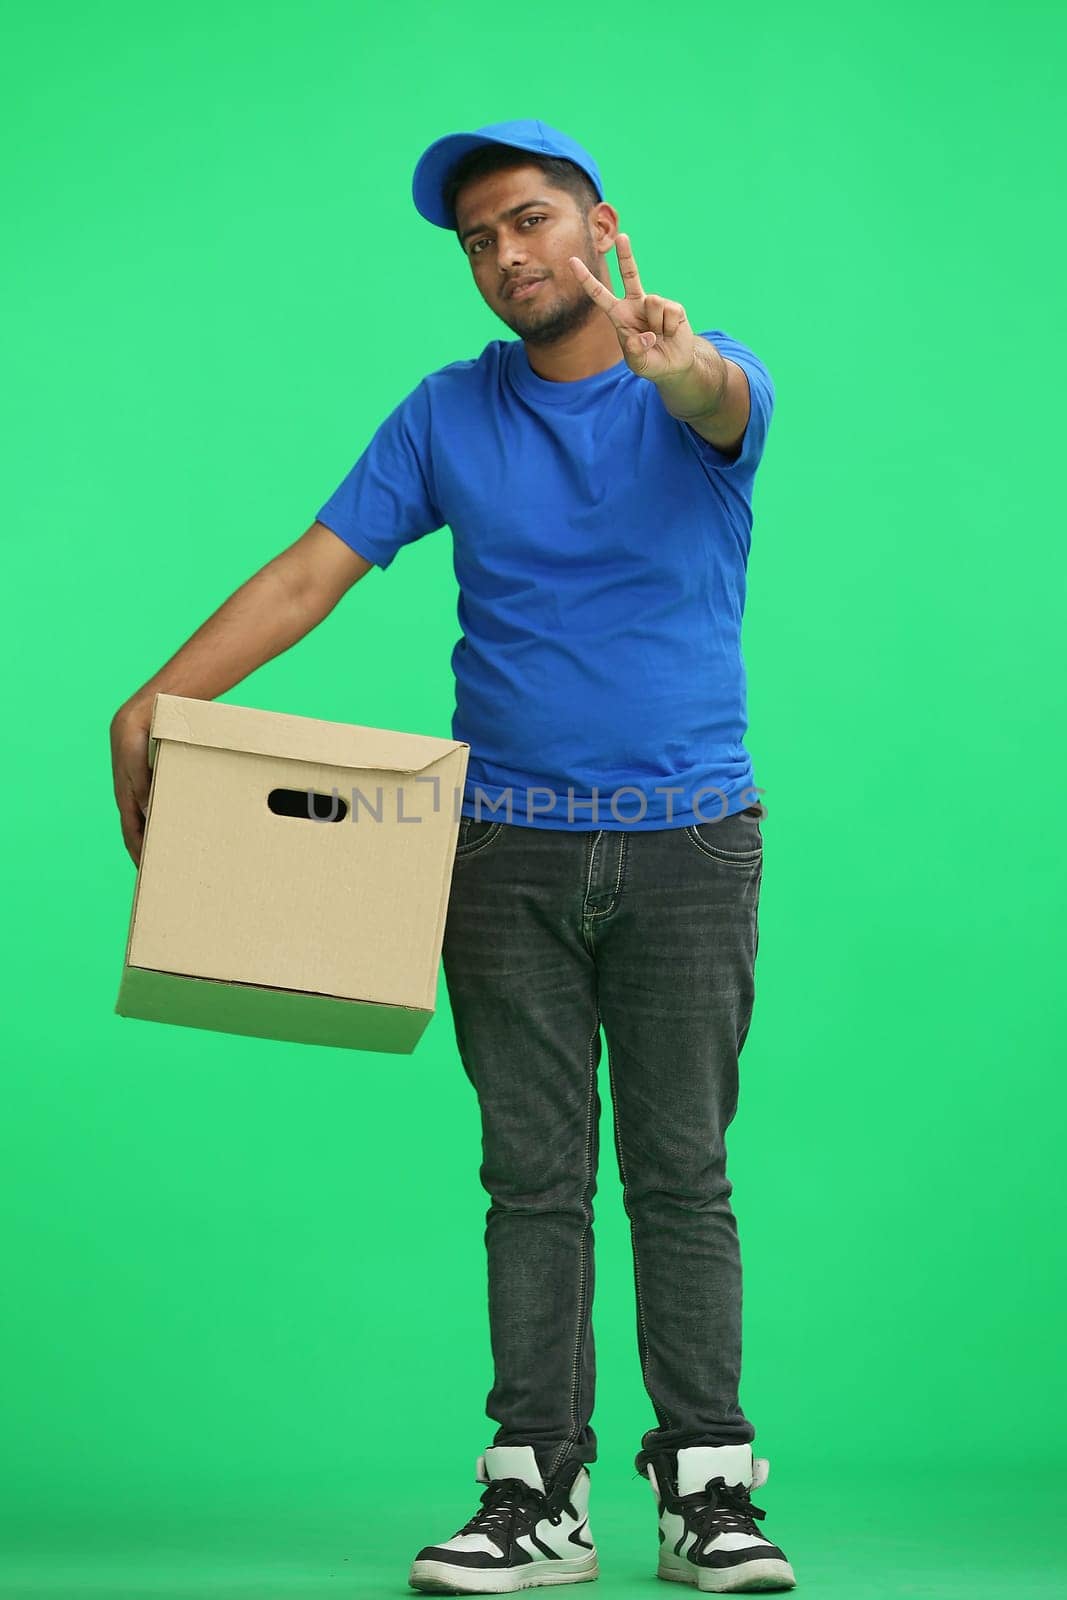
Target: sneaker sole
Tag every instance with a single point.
(749, 1576)
(439, 1577)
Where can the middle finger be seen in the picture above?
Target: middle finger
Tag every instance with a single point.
(628, 267)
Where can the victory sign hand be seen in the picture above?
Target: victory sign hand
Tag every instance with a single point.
(657, 341)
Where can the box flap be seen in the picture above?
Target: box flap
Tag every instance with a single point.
(279, 733)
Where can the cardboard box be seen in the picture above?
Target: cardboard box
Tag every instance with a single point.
(254, 914)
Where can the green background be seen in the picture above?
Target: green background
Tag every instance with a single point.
(244, 1344)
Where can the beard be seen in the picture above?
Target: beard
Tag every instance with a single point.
(557, 311)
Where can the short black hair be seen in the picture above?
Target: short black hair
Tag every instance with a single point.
(561, 174)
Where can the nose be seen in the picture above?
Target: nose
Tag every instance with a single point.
(512, 250)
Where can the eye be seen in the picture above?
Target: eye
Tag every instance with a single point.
(478, 242)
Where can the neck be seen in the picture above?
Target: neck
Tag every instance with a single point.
(588, 350)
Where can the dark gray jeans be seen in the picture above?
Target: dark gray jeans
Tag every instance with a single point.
(550, 936)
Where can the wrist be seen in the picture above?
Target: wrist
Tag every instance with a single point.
(135, 713)
(699, 390)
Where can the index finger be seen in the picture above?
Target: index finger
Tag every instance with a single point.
(628, 267)
(593, 287)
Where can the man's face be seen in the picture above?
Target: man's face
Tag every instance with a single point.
(544, 230)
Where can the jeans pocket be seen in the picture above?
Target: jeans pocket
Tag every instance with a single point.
(735, 839)
(476, 834)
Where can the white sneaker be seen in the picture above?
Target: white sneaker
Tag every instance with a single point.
(707, 1533)
(526, 1533)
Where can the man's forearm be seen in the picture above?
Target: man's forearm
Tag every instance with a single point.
(700, 391)
(260, 620)
(711, 397)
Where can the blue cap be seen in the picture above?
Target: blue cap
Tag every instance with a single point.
(436, 162)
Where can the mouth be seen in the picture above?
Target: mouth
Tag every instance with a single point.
(523, 291)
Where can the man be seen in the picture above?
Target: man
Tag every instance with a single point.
(596, 474)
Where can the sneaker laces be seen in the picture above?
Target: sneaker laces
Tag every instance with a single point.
(507, 1502)
(720, 1507)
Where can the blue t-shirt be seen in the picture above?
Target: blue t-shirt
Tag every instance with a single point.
(600, 547)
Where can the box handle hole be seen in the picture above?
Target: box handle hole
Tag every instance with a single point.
(308, 804)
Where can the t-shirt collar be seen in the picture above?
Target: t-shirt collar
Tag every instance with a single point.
(547, 392)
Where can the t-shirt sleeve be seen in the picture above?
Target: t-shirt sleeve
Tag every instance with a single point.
(387, 500)
(761, 408)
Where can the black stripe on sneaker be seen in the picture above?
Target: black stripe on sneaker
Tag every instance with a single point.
(478, 1560)
(720, 1559)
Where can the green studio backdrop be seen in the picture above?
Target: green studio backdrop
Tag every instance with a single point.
(244, 1281)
